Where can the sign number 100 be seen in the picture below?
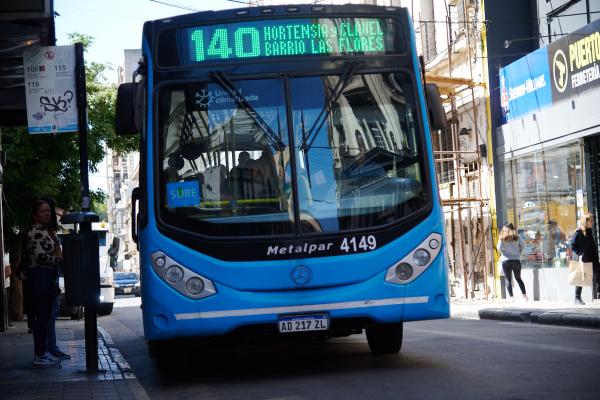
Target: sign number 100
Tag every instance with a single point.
(219, 46)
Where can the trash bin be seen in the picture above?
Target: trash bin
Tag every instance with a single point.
(81, 260)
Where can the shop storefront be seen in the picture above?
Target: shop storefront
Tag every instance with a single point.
(548, 153)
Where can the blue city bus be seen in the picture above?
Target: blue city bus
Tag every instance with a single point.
(287, 184)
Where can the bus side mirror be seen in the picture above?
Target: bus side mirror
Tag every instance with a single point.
(437, 115)
(128, 115)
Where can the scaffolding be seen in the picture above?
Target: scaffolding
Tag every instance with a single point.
(465, 206)
(459, 170)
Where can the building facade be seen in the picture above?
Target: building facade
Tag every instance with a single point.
(123, 176)
(548, 141)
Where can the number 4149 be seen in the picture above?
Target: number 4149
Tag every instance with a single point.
(362, 243)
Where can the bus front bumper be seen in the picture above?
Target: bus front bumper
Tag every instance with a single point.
(229, 310)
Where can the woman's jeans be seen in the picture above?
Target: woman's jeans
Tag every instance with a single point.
(42, 289)
(510, 266)
(52, 347)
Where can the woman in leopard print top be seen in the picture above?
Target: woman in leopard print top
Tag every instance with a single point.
(45, 255)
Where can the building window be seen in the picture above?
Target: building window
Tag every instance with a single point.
(444, 144)
(545, 197)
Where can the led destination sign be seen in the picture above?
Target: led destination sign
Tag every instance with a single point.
(291, 37)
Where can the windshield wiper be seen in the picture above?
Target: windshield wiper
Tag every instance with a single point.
(309, 138)
(228, 85)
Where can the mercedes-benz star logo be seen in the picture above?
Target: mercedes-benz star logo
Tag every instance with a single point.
(301, 275)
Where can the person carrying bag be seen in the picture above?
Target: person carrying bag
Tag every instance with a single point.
(585, 271)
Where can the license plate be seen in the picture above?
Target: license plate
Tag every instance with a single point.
(303, 323)
(127, 290)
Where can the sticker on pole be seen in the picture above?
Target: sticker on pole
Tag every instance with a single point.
(50, 89)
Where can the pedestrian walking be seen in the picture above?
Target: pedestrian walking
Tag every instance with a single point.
(44, 257)
(7, 274)
(510, 247)
(584, 245)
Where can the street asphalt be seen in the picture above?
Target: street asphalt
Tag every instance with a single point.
(447, 359)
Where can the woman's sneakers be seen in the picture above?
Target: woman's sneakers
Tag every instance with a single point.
(60, 355)
(46, 359)
(579, 302)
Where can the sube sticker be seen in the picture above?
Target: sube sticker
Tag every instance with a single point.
(183, 194)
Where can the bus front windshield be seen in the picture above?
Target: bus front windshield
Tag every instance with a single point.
(230, 167)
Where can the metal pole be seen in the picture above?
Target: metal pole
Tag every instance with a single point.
(91, 327)
(82, 126)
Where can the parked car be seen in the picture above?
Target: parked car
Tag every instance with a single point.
(127, 283)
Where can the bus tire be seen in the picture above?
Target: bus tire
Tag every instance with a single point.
(170, 357)
(385, 338)
(104, 308)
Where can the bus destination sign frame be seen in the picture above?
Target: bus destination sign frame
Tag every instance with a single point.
(270, 38)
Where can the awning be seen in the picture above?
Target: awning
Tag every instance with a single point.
(23, 23)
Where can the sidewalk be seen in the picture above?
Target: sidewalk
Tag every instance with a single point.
(536, 312)
(20, 379)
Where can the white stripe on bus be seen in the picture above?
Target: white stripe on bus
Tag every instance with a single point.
(305, 308)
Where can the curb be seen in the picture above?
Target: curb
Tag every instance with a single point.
(134, 385)
(541, 317)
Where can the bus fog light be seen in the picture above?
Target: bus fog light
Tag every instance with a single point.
(194, 286)
(434, 244)
(174, 274)
(160, 262)
(404, 271)
(421, 257)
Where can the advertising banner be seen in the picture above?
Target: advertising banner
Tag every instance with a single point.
(50, 89)
(558, 72)
(525, 85)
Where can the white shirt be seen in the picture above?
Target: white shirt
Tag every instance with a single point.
(6, 262)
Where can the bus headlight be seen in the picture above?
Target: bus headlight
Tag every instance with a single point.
(180, 278)
(421, 257)
(404, 271)
(194, 286)
(160, 262)
(174, 274)
(416, 262)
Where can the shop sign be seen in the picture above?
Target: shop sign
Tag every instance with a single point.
(557, 72)
(525, 85)
(575, 62)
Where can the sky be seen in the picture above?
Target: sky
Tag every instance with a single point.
(117, 25)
